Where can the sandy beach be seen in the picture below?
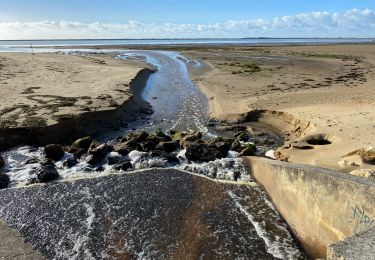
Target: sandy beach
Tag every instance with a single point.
(323, 93)
(42, 89)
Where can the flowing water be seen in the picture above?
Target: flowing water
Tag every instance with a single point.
(66, 220)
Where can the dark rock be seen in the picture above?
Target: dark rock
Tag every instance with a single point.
(32, 160)
(47, 162)
(32, 181)
(236, 146)
(177, 135)
(203, 152)
(76, 151)
(122, 148)
(165, 137)
(133, 141)
(249, 150)
(98, 152)
(2, 161)
(54, 151)
(242, 136)
(168, 146)
(111, 160)
(124, 166)
(147, 146)
(70, 162)
(4, 181)
(171, 158)
(83, 143)
(47, 173)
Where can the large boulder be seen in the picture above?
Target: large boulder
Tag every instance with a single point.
(248, 150)
(205, 152)
(162, 135)
(47, 173)
(97, 152)
(168, 146)
(123, 148)
(83, 143)
(242, 136)
(70, 162)
(4, 181)
(76, 151)
(54, 151)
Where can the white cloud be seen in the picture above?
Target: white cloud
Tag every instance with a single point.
(352, 23)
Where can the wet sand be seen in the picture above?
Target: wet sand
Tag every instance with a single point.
(322, 92)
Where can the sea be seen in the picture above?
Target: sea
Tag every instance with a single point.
(13, 45)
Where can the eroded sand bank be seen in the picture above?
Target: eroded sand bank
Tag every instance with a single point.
(324, 92)
(57, 97)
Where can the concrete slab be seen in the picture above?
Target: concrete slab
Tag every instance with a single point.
(358, 247)
(12, 245)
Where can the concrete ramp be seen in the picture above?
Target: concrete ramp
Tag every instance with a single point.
(12, 245)
(321, 206)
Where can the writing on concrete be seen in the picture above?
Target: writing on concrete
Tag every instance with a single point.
(361, 220)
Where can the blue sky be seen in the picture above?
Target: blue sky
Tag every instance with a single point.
(64, 18)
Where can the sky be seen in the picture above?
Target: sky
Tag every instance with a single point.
(82, 19)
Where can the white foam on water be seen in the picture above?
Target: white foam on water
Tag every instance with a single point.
(270, 154)
(275, 245)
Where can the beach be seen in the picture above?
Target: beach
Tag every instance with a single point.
(306, 92)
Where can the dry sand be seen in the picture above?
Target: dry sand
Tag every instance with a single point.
(307, 92)
(41, 89)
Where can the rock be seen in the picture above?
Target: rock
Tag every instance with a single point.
(54, 151)
(203, 152)
(367, 155)
(160, 134)
(31, 160)
(168, 146)
(47, 162)
(2, 161)
(147, 146)
(171, 158)
(133, 140)
(4, 181)
(70, 162)
(346, 163)
(249, 150)
(124, 166)
(236, 146)
(83, 143)
(76, 151)
(192, 137)
(366, 173)
(279, 155)
(189, 138)
(242, 136)
(47, 173)
(114, 159)
(122, 148)
(177, 135)
(98, 152)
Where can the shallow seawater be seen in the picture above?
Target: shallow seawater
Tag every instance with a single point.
(138, 213)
